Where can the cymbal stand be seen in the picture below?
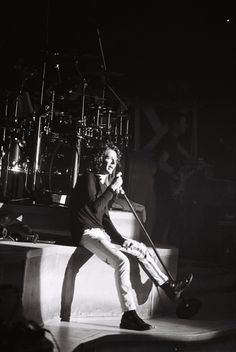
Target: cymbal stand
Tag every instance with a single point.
(17, 100)
(83, 103)
(57, 67)
(43, 84)
(127, 133)
(85, 85)
(51, 112)
(4, 155)
(75, 163)
(78, 137)
(40, 115)
(77, 158)
(103, 66)
(108, 127)
(122, 103)
(7, 156)
(121, 129)
(39, 131)
(98, 116)
(37, 152)
(2, 150)
(116, 134)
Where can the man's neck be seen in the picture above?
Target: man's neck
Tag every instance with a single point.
(103, 178)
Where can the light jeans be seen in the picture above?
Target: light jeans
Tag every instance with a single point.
(98, 242)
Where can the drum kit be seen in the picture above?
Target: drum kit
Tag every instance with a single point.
(52, 123)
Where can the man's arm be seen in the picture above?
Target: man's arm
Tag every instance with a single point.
(97, 203)
(163, 163)
(184, 152)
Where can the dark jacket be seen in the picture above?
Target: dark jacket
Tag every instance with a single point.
(89, 208)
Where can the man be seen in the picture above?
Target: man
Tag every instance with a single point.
(170, 178)
(91, 227)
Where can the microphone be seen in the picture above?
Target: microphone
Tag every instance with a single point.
(121, 191)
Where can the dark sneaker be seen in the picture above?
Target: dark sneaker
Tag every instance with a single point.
(174, 289)
(65, 318)
(131, 321)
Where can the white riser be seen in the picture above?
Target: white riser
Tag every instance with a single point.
(38, 271)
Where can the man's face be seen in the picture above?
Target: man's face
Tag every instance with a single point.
(109, 162)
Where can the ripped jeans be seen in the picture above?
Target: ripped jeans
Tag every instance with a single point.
(99, 243)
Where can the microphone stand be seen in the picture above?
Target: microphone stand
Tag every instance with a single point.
(146, 234)
(188, 307)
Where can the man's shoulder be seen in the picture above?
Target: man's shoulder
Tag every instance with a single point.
(167, 141)
(164, 141)
(86, 175)
(84, 178)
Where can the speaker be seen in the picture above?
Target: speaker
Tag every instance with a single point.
(24, 336)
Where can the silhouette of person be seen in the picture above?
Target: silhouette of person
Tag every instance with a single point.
(169, 179)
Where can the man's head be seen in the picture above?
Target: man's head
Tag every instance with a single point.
(105, 158)
(178, 124)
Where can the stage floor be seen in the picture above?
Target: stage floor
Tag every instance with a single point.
(211, 330)
(104, 334)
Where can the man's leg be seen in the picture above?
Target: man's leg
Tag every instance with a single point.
(74, 264)
(173, 289)
(98, 242)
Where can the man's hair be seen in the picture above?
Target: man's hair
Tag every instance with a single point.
(97, 156)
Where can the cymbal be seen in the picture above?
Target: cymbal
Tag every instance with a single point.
(8, 124)
(88, 57)
(77, 97)
(71, 57)
(103, 74)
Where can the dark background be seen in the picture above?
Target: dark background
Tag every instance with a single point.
(167, 51)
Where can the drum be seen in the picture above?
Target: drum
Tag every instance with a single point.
(55, 166)
(17, 160)
(21, 140)
(62, 122)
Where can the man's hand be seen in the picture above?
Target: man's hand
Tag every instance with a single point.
(117, 183)
(136, 248)
(127, 243)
